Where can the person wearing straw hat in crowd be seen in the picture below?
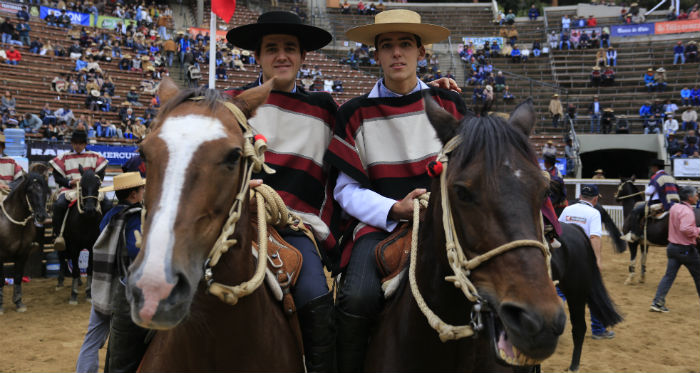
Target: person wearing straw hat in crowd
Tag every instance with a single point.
(298, 126)
(598, 174)
(66, 174)
(9, 170)
(391, 119)
(111, 313)
(549, 148)
(555, 109)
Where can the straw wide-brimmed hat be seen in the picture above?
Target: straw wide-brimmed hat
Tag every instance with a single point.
(398, 20)
(133, 88)
(550, 142)
(95, 93)
(279, 22)
(650, 69)
(246, 53)
(145, 58)
(150, 68)
(596, 67)
(608, 109)
(127, 56)
(126, 180)
(555, 95)
(660, 70)
(598, 171)
(692, 42)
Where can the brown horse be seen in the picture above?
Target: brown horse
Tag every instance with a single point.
(494, 191)
(22, 212)
(195, 161)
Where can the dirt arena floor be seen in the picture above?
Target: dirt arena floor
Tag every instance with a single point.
(48, 336)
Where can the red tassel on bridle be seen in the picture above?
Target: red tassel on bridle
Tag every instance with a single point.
(434, 168)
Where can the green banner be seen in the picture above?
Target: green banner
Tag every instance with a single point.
(108, 22)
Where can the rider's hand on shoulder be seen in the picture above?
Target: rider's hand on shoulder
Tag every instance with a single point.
(403, 209)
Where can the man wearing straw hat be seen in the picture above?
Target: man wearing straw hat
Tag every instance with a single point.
(113, 252)
(9, 170)
(298, 126)
(382, 144)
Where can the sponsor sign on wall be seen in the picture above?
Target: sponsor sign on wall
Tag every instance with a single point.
(686, 167)
(111, 22)
(75, 17)
(43, 151)
(10, 7)
(632, 30)
(677, 27)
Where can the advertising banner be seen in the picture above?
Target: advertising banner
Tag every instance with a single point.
(44, 151)
(686, 167)
(677, 27)
(561, 165)
(75, 17)
(478, 42)
(110, 23)
(196, 31)
(632, 30)
(10, 7)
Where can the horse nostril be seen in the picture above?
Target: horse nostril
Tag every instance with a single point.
(181, 290)
(519, 318)
(559, 322)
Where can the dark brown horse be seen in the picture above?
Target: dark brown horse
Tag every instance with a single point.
(495, 190)
(195, 161)
(22, 212)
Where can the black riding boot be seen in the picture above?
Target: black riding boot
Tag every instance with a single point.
(17, 296)
(318, 333)
(352, 340)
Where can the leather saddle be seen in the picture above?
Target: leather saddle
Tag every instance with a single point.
(393, 252)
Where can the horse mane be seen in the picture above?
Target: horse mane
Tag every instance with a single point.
(210, 98)
(494, 140)
(20, 183)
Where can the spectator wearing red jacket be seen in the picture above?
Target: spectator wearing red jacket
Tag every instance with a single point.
(592, 21)
(13, 56)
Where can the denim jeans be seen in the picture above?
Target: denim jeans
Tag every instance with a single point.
(127, 340)
(169, 55)
(360, 291)
(95, 338)
(612, 61)
(676, 56)
(311, 283)
(6, 38)
(678, 255)
(595, 123)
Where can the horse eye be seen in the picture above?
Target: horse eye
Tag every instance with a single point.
(463, 193)
(232, 158)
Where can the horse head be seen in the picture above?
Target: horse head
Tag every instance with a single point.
(495, 191)
(38, 191)
(194, 156)
(89, 190)
(626, 189)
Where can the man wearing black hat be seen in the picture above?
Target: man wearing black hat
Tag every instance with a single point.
(662, 189)
(586, 216)
(559, 200)
(66, 174)
(298, 126)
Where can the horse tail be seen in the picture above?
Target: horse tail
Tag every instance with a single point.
(614, 232)
(599, 300)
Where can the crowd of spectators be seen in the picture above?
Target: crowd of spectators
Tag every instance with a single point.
(362, 8)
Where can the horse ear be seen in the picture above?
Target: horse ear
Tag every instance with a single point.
(253, 98)
(524, 117)
(39, 168)
(444, 123)
(167, 89)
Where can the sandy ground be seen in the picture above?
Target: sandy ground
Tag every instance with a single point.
(48, 336)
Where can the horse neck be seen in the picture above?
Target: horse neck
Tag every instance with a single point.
(16, 202)
(628, 203)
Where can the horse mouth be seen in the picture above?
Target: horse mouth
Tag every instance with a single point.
(506, 352)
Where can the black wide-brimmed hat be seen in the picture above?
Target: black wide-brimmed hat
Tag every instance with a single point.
(658, 163)
(278, 22)
(79, 137)
(550, 158)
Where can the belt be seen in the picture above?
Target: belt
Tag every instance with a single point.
(683, 246)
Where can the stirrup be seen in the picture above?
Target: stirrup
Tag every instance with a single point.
(554, 243)
(59, 244)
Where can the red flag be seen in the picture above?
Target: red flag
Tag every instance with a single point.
(224, 8)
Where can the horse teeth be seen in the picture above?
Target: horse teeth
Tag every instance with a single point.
(503, 355)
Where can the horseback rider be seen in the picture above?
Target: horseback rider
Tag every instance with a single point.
(586, 216)
(298, 126)
(9, 169)
(382, 144)
(559, 201)
(662, 190)
(66, 173)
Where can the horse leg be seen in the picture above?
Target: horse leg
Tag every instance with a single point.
(633, 263)
(577, 314)
(17, 293)
(76, 280)
(63, 268)
(645, 252)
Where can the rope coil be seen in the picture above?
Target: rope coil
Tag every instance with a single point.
(18, 222)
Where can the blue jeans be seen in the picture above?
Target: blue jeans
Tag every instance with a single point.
(6, 38)
(595, 123)
(360, 291)
(311, 283)
(11, 62)
(678, 255)
(169, 56)
(596, 326)
(612, 61)
(536, 52)
(98, 329)
(676, 56)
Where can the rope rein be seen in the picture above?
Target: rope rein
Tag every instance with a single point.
(17, 222)
(619, 189)
(461, 266)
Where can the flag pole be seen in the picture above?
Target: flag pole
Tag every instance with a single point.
(212, 51)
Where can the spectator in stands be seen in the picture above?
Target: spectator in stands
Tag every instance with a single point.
(600, 57)
(108, 86)
(653, 125)
(507, 96)
(596, 76)
(525, 52)
(608, 120)
(605, 37)
(555, 109)
(564, 40)
(221, 72)
(133, 97)
(649, 81)
(92, 85)
(64, 20)
(512, 36)
(8, 102)
(361, 8)
(670, 126)
(595, 110)
(345, 8)
(645, 112)
(553, 40)
(608, 76)
(670, 106)
(533, 13)
(23, 32)
(689, 119)
(565, 23)
(7, 29)
(22, 14)
(51, 20)
(515, 54)
(682, 15)
(35, 46)
(434, 63)
(679, 53)
(338, 85)
(674, 147)
(478, 95)
(691, 51)
(579, 22)
(47, 116)
(51, 132)
(92, 101)
(500, 81)
(623, 126)
(575, 38)
(75, 51)
(694, 12)
(691, 149)
(30, 123)
(696, 96)
(611, 57)
(592, 21)
(510, 17)
(660, 79)
(13, 56)
(536, 48)
(549, 149)
(570, 113)
(328, 84)
(65, 114)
